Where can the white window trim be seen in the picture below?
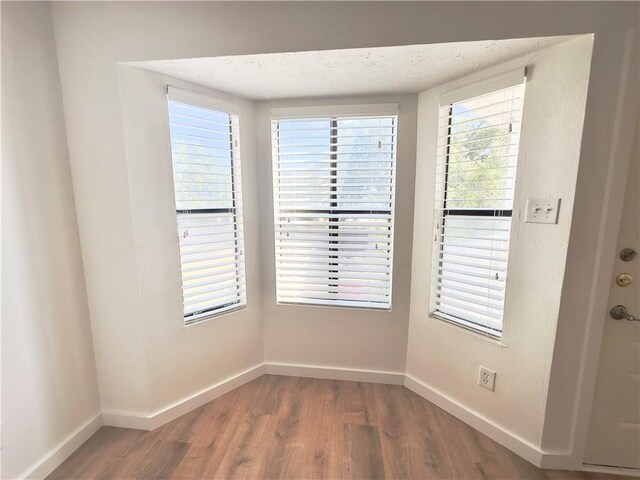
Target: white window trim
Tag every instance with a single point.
(202, 100)
(483, 86)
(335, 110)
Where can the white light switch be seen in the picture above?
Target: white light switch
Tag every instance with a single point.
(542, 210)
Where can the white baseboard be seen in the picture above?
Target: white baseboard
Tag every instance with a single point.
(134, 420)
(331, 373)
(64, 449)
(141, 421)
(560, 461)
(474, 419)
(149, 422)
(633, 472)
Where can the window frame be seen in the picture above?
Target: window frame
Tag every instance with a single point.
(220, 106)
(334, 113)
(465, 92)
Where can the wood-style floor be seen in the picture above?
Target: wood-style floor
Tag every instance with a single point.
(299, 428)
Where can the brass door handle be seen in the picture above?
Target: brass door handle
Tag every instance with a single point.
(620, 312)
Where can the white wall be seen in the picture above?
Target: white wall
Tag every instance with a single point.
(604, 166)
(446, 357)
(92, 37)
(48, 373)
(340, 337)
(179, 360)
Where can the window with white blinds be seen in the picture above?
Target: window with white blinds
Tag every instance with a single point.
(206, 173)
(334, 190)
(477, 157)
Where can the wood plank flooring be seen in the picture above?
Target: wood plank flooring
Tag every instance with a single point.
(299, 428)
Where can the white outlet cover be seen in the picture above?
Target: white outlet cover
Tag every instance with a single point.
(487, 378)
(542, 210)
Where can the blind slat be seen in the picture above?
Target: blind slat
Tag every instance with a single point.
(479, 292)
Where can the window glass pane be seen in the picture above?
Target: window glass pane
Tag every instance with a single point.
(201, 150)
(482, 149)
(365, 163)
(304, 161)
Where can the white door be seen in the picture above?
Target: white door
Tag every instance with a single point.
(614, 434)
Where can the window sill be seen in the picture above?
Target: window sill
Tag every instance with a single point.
(333, 307)
(205, 317)
(477, 330)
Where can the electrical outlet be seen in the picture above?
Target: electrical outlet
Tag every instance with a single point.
(487, 378)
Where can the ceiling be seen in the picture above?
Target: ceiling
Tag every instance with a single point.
(358, 71)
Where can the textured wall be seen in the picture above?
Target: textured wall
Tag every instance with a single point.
(181, 361)
(447, 357)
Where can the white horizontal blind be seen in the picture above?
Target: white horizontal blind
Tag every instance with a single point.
(477, 156)
(206, 173)
(334, 190)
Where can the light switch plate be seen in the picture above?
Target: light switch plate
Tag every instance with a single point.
(542, 210)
